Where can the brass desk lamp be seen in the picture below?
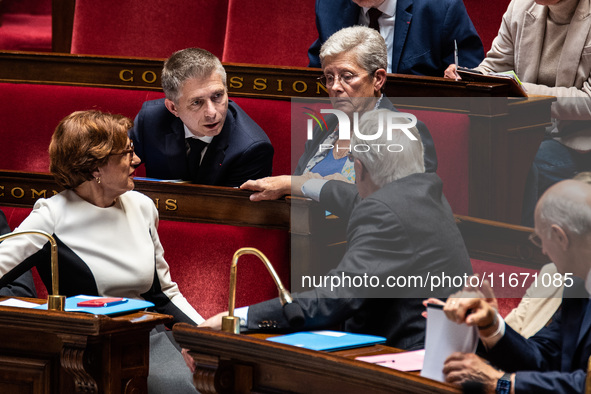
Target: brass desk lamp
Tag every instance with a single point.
(292, 311)
(55, 302)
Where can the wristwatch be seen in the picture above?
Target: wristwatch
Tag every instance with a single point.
(504, 384)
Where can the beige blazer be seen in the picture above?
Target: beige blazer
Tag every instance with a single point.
(538, 305)
(518, 47)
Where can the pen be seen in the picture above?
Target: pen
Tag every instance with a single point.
(456, 57)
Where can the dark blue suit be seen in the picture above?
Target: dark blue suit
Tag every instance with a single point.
(241, 151)
(424, 34)
(555, 359)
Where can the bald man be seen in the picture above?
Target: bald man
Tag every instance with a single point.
(555, 359)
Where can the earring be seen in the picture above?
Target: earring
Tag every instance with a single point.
(98, 180)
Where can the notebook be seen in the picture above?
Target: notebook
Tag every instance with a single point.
(327, 340)
(130, 305)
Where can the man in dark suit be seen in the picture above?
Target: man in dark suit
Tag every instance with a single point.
(555, 359)
(23, 286)
(420, 33)
(399, 225)
(196, 134)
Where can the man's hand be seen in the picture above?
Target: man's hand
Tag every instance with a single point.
(214, 322)
(451, 72)
(269, 188)
(463, 367)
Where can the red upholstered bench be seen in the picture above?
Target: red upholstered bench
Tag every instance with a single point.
(509, 282)
(199, 256)
(25, 25)
(277, 32)
(29, 114)
(148, 28)
(274, 118)
(450, 135)
(486, 20)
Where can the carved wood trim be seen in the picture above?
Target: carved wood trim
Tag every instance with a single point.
(72, 361)
(247, 80)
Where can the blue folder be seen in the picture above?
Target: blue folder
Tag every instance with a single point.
(130, 306)
(327, 340)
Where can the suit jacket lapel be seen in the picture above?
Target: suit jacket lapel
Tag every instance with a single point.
(576, 323)
(176, 149)
(401, 26)
(530, 42)
(573, 45)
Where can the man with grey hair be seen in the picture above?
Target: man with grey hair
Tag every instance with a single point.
(555, 359)
(196, 134)
(399, 227)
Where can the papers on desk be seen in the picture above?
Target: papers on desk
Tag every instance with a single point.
(443, 338)
(18, 303)
(327, 340)
(130, 306)
(403, 361)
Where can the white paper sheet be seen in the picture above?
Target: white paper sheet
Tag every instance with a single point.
(443, 338)
(18, 303)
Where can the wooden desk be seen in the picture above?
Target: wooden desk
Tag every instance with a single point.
(229, 363)
(67, 352)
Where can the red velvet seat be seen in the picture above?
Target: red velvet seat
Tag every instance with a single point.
(274, 117)
(148, 28)
(486, 19)
(25, 25)
(450, 135)
(199, 256)
(277, 32)
(29, 114)
(509, 282)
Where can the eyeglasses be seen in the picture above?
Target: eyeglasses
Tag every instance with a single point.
(535, 239)
(345, 78)
(128, 151)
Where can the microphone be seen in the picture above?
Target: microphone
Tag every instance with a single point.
(54, 301)
(292, 311)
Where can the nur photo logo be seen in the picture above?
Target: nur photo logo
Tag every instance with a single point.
(389, 123)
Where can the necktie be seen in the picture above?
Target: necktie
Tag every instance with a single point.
(374, 14)
(194, 149)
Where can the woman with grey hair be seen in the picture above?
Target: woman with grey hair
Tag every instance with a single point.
(354, 62)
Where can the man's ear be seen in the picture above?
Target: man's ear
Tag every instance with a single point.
(170, 105)
(560, 236)
(379, 79)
